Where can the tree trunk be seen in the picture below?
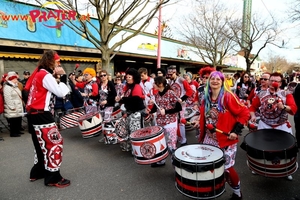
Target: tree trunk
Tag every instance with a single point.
(106, 63)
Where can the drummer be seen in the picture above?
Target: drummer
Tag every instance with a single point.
(91, 92)
(107, 93)
(194, 85)
(274, 106)
(133, 102)
(167, 107)
(147, 86)
(183, 91)
(222, 118)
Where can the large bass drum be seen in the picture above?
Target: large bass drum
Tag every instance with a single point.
(90, 124)
(149, 145)
(271, 152)
(199, 171)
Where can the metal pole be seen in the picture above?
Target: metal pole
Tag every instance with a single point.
(159, 37)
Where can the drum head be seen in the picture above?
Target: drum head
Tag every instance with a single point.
(270, 140)
(199, 153)
(189, 112)
(269, 144)
(147, 132)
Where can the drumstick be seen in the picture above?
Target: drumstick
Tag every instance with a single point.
(156, 104)
(183, 121)
(211, 127)
(76, 67)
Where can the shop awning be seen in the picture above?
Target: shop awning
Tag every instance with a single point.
(36, 56)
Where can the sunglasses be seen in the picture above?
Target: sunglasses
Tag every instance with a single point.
(265, 79)
(102, 75)
(205, 77)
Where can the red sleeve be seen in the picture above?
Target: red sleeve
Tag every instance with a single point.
(251, 95)
(239, 110)
(188, 89)
(138, 91)
(196, 84)
(255, 104)
(290, 101)
(154, 91)
(80, 84)
(95, 90)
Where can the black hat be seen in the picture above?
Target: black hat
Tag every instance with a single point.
(26, 72)
(135, 74)
(162, 70)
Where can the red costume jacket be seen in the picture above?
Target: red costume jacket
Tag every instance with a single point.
(234, 112)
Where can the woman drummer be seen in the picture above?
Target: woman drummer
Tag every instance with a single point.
(91, 91)
(167, 108)
(222, 118)
(133, 102)
(107, 94)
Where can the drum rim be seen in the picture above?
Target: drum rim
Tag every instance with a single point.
(211, 161)
(146, 137)
(274, 130)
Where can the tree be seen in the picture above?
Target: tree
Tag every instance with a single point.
(261, 34)
(207, 28)
(120, 19)
(277, 64)
(294, 11)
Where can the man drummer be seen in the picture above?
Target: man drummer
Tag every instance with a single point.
(274, 106)
(147, 86)
(183, 90)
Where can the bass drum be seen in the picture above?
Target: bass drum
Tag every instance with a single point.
(149, 145)
(271, 152)
(199, 171)
(90, 125)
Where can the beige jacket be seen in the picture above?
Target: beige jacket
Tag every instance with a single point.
(13, 105)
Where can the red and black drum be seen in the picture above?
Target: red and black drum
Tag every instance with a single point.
(90, 124)
(271, 152)
(149, 145)
(199, 171)
(69, 119)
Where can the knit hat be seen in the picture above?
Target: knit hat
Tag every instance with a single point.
(56, 57)
(3, 78)
(11, 76)
(90, 71)
(162, 70)
(190, 75)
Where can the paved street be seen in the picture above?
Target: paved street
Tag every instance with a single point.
(99, 171)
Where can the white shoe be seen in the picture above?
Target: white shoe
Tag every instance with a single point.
(290, 178)
(253, 172)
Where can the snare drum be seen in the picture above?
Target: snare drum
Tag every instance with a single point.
(70, 118)
(271, 152)
(189, 113)
(90, 124)
(199, 171)
(149, 145)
